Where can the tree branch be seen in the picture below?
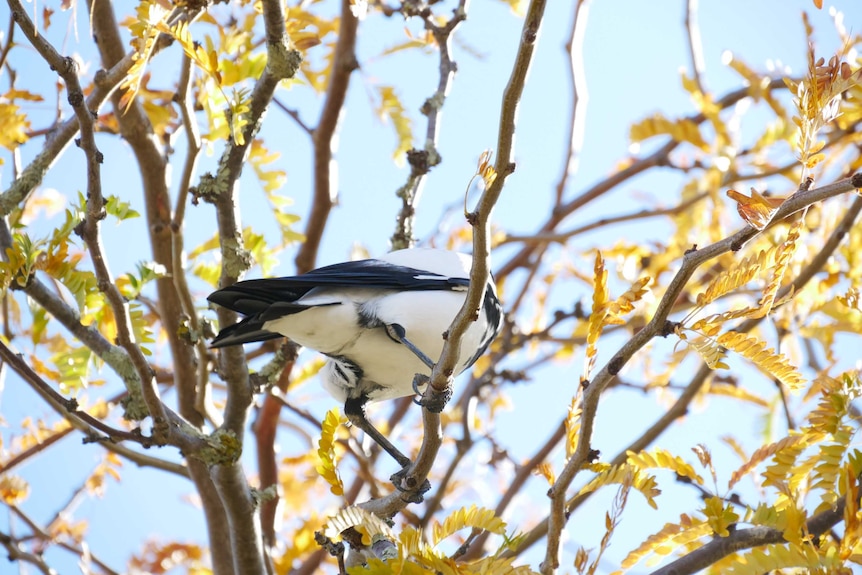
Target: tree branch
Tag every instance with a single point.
(720, 547)
(324, 142)
(421, 161)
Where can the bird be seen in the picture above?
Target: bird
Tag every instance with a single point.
(378, 322)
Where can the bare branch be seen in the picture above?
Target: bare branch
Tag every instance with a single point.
(15, 553)
(695, 47)
(323, 138)
(421, 161)
(578, 80)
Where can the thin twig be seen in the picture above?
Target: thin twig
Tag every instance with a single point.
(578, 82)
(324, 138)
(695, 46)
(421, 161)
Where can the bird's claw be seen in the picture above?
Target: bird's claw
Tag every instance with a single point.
(431, 399)
(406, 484)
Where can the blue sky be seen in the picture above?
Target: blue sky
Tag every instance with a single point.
(634, 52)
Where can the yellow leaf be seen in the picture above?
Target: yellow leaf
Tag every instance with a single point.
(475, 517)
(327, 466)
(13, 489)
(766, 360)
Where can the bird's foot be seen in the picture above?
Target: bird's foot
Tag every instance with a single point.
(431, 399)
(406, 484)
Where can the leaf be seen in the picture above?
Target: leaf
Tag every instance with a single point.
(681, 130)
(475, 517)
(597, 315)
(768, 558)
(356, 517)
(719, 515)
(14, 126)
(766, 360)
(708, 349)
(624, 474)
(792, 444)
(735, 277)
(573, 428)
(672, 537)
(120, 209)
(327, 464)
(783, 255)
(546, 470)
(391, 108)
(661, 459)
(756, 209)
(13, 489)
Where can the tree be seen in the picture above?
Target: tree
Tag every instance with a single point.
(699, 315)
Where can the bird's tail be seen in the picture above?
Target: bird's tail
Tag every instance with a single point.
(248, 330)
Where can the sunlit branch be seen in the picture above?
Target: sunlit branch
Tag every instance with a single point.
(422, 160)
(193, 147)
(580, 97)
(324, 141)
(16, 553)
(695, 47)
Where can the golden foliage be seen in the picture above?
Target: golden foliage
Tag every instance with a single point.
(681, 130)
(661, 459)
(475, 517)
(546, 470)
(719, 515)
(573, 427)
(669, 539)
(13, 124)
(597, 315)
(392, 109)
(625, 474)
(13, 489)
(327, 465)
(756, 209)
(770, 557)
(606, 312)
(734, 278)
(783, 255)
(150, 15)
(368, 524)
(794, 442)
(817, 99)
(767, 360)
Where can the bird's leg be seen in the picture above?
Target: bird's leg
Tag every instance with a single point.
(354, 409)
(437, 400)
(399, 334)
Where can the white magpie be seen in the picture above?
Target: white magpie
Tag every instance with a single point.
(379, 322)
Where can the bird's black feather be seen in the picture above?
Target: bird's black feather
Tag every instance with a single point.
(256, 296)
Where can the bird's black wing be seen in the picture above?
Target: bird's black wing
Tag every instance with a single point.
(256, 296)
(262, 300)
